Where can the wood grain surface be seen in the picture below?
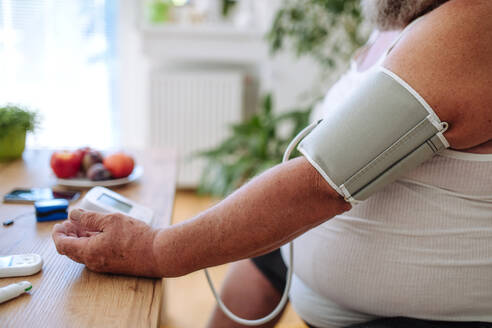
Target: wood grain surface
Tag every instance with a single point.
(65, 293)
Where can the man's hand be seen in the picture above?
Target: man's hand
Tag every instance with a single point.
(107, 243)
(262, 215)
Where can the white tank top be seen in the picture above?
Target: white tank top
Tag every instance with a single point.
(421, 247)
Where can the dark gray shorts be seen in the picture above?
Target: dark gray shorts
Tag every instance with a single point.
(274, 269)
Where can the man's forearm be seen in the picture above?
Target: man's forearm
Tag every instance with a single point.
(266, 213)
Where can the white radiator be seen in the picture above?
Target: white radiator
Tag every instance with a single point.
(191, 111)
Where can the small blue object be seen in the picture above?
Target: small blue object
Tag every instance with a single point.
(50, 210)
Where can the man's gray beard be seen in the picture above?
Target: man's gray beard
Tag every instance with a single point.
(396, 14)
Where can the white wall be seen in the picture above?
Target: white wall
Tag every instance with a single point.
(133, 67)
(290, 79)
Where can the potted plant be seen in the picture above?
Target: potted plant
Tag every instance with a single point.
(252, 147)
(328, 31)
(15, 122)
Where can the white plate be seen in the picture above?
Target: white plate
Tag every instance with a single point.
(86, 183)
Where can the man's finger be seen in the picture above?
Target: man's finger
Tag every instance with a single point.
(58, 230)
(73, 247)
(76, 230)
(91, 221)
(65, 228)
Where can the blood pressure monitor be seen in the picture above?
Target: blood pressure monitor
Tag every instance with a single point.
(103, 200)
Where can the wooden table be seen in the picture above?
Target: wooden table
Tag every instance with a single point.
(65, 293)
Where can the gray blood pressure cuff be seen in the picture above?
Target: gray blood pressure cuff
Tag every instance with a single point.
(380, 131)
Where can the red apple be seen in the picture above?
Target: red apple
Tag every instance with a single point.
(65, 164)
(119, 164)
(82, 151)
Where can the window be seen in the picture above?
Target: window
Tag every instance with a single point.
(59, 57)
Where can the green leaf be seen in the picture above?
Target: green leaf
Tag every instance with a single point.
(329, 31)
(252, 147)
(267, 104)
(17, 117)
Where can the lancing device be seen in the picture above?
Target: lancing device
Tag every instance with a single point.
(12, 291)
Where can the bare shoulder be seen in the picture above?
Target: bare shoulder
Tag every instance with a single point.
(447, 58)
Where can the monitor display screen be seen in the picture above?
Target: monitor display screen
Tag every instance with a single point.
(119, 205)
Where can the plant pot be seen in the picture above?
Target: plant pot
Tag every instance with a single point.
(12, 144)
(159, 11)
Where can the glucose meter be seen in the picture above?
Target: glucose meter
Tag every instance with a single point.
(20, 265)
(103, 200)
(13, 290)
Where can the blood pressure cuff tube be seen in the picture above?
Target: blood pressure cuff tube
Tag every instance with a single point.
(380, 131)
